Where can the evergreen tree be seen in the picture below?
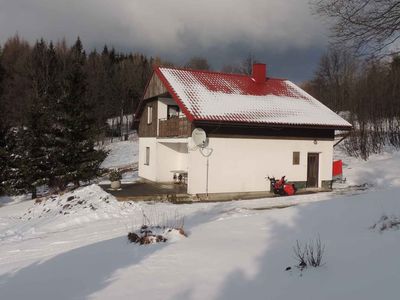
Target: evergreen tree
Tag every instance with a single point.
(3, 130)
(30, 162)
(26, 161)
(75, 156)
(3, 155)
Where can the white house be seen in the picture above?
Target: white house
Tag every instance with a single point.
(256, 126)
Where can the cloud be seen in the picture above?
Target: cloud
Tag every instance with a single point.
(175, 29)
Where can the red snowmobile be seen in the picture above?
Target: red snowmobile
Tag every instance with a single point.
(281, 187)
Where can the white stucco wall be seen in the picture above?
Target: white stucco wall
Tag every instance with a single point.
(165, 155)
(241, 165)
(171, 156)
(148, 171)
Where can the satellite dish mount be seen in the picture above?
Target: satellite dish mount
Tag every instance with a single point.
(199, 138)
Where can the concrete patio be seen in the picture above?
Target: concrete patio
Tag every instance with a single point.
(145, 191)
(177, 193)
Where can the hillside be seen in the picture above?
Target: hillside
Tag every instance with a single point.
(234, 250)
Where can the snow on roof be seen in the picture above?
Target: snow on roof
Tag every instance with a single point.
(213, 96)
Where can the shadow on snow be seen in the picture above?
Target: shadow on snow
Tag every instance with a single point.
(80, 272)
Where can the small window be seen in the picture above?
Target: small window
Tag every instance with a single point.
(172, 111)
(149, 114)
(296, 158)
(147, 162)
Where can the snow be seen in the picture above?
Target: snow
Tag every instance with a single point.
(8, 200)
(380, 170)
(234, 250)
(215, 96)
(122, 154)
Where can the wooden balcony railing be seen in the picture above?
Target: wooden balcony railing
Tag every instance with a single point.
(174, 127)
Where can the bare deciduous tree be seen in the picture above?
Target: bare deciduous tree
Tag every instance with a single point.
(243, 67)
(198, 63)
(372, 27)
(334, 79)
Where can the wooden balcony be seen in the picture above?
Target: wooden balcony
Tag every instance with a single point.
(175, 127)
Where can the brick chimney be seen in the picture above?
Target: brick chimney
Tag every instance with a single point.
(259, 72)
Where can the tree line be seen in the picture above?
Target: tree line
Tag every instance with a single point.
(359, 75)
(366, 93)
(54, 103)
(114, 81)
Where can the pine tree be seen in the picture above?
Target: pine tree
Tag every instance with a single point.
(30, 165)
(75, 156)
(3, 157)
(3, 131)
(26, 161)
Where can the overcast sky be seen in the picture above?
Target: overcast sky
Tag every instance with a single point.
(282, 33)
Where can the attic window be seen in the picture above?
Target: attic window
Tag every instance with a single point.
(149, 114)
(296, 158)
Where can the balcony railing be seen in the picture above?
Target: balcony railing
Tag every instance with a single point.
(174, 127)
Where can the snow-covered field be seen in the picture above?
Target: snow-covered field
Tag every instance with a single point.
(122, 154)
(75, 246)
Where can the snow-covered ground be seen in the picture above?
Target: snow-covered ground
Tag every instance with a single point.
(379, 171)
(74, 246)
(122, 154)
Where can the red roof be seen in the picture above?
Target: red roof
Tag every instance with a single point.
(222, 97)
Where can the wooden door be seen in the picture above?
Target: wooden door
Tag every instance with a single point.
(312, 169)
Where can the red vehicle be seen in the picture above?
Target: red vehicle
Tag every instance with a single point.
(281, 187)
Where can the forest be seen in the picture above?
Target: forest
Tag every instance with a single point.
(365, 92)
(113, 82)
(359, 75)
(54, 103)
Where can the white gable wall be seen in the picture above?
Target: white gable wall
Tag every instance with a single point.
(170, 156)
(148, 171)
(241, 164)
(164, 157)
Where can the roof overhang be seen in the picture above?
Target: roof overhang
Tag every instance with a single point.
(268, 125)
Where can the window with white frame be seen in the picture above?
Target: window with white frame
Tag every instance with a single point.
(147, 161)
(149, 114)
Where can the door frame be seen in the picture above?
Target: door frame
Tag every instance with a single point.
(316, 154)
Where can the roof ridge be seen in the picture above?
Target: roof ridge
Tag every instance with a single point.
(215, 72)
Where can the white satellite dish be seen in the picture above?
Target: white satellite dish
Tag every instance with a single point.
(199, 137)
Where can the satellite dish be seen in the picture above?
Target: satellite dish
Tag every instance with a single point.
(199, 137)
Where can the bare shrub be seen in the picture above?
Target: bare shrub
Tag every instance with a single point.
(315, 251)
(310, 254)
(300, 254)
(157, 227)
(386, 223)
(157, 219)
